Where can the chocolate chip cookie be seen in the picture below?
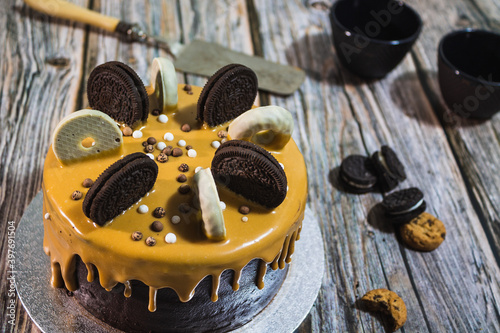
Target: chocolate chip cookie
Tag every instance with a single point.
(423, 233)
(389, 304)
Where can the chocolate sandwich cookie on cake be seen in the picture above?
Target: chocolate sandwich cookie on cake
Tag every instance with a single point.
(149, 249)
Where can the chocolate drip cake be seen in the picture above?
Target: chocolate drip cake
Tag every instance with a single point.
(168, 231)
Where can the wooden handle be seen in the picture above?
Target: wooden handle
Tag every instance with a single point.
(67, 10)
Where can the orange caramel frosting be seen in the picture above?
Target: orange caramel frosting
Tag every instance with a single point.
(268, 234)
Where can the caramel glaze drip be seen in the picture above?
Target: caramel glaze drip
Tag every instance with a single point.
(90, 272)
(152, 299)
(236, 280)
(127, 292)
(260, 274)
(268, 235)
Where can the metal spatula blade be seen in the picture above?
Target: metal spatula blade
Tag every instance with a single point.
(197, 57)
(203, 58)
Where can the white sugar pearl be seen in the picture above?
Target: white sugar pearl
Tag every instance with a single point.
(162, 118)
(282, 165)
(244, 219)
(161, 145)
(170, 238)
(222, 205)
(47, 216)
(215, 144)
(181, 143)
(143, 209)
(192, 153)
(168, 136)
(137, 134)
(223, 140)
(175, 219)
(151, 156)
(198, 168)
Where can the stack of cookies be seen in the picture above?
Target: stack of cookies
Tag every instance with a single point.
(406, 208)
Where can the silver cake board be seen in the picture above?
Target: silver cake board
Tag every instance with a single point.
(53, 311)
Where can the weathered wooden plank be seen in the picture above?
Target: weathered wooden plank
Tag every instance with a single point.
(475, 143)
(40, 63)
(223, 22)
(337, 114)
(455, 288)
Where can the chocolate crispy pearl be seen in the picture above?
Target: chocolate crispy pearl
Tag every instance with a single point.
(113, 90)
(229, 92)
(233, 308)
(251, 171)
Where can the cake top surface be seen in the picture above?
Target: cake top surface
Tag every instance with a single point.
(258, 234)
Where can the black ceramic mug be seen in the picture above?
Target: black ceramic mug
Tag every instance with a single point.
(469, 72)
(371, 37)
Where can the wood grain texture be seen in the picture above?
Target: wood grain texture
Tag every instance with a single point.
(45, 64)
(40, 62)
(357, 117)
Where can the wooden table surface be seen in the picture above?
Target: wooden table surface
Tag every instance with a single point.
(45, 63)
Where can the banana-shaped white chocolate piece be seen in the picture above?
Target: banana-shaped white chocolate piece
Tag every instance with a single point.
(267, 125)
(164, 83)
(211, 212)
(80, 125)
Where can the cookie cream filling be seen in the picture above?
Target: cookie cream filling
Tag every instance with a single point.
(411, 209)
(382, 160)
(356, 185)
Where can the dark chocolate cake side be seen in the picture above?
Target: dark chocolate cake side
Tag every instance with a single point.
(130, 314)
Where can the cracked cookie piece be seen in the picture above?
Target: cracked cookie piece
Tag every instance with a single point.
(389, 304)
(424, 233)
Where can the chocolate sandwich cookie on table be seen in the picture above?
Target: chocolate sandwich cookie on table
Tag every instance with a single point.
(404, 205)
(389, 169)
(383, 170)
(357, 174)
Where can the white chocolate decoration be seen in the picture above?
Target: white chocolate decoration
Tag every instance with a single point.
(267, 125)
(168, 136)
(163, 118)
(170, 238)
(81, 125)
(161, 145)
(175, 219)
(211, 212)
(164, 83)
(143, 209)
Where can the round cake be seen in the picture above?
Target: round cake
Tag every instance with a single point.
(154, 267)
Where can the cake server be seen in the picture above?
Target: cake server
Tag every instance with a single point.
(196, 57)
